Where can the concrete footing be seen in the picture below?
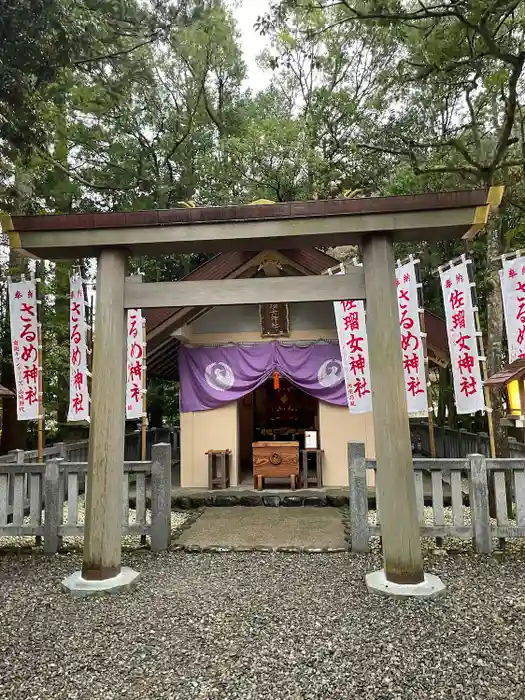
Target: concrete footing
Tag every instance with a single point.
(81, 587)
(430, 587)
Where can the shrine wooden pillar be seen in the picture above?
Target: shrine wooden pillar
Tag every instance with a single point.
(103, 528)
(395, 478)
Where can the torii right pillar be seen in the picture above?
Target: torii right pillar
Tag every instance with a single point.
(403, 565)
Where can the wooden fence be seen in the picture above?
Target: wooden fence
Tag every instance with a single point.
(452, 444)
(38, 499)
(78, 451)
(456, 522)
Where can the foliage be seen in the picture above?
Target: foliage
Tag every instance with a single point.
(453, 117)
(122, 106)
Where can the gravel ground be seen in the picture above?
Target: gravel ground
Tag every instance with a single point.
(262, 626)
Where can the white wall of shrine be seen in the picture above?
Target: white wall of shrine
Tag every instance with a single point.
(246, 319)
(202, 431)
(218, 429)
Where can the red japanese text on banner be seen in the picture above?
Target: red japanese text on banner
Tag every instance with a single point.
(353, 343)
(24, 342)
(135, 366)
(78, 363)
(513, 289)
(462, 339)
(411, 339)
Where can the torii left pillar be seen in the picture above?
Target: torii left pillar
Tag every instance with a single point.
(101, 568)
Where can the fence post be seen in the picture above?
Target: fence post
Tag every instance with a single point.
(52, 506)
(360, 532)
(17, 458)
(484, 444)
(479, 503)
(160, 496)
(62, 450)
(515, 448)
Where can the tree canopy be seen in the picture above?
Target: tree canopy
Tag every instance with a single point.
(124, 105)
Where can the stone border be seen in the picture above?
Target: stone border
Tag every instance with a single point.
(185, 526)
(258, 549)
(228, 499)
(345, 514)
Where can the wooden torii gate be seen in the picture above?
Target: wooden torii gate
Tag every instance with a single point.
(373, 223)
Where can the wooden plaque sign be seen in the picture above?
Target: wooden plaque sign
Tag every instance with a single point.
(275, 321)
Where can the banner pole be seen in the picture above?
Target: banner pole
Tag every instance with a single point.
(486, 390)
(144, 431)
(431, 432)
(39, 306)
(40, 399)
(484, 369)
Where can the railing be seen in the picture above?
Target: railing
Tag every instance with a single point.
(78, 451)
(452, 444)
(460, 522)
(41, 509)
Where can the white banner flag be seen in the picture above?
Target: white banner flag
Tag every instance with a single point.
(353, 343)
(78, 363)
(411, 340)
(135, 368)
(462, 339)
(24, 343)
(513, 289)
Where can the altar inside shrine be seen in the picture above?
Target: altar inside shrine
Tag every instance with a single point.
(281, 411)
(282, 414)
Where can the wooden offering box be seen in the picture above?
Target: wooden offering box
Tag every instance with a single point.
(275, 460)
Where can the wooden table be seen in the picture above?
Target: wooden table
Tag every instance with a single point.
(275, 460)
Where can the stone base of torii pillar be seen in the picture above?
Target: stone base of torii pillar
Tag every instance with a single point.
(430, 587)
(82, 588)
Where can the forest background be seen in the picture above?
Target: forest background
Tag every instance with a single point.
(122, 105)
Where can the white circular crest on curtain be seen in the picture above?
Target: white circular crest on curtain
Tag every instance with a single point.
(219, 376)
(330, 373)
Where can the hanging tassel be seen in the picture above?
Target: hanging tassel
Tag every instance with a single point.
(275, 380)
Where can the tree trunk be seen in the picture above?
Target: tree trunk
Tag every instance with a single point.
(494, 352)
(494, 349)
(452, 414)
(61, 202)
(444, 382)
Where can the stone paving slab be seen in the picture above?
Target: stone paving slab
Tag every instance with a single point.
(266, 527)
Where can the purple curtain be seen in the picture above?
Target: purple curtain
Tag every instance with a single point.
(212, 376)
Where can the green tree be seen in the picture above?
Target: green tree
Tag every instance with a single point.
(455, 115)
(128, 118)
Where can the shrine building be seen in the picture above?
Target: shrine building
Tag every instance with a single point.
(256, 373)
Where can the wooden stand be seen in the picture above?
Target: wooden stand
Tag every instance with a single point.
(219, 468)
(275, 460)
